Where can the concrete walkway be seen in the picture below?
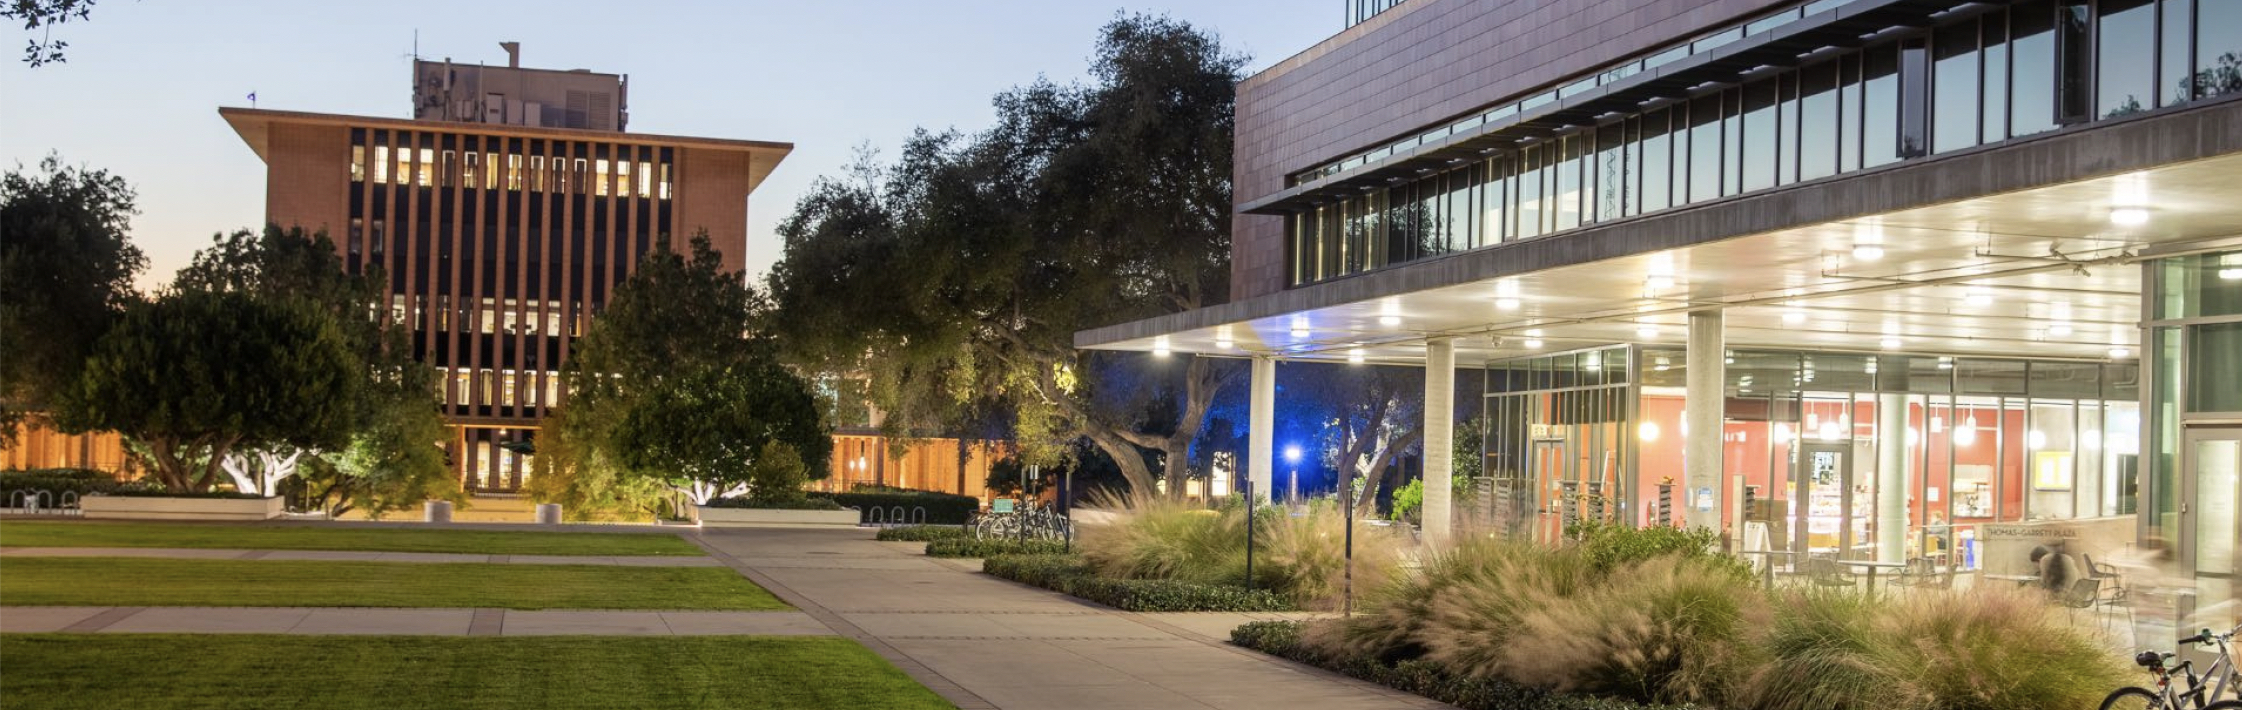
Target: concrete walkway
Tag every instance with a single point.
(983, 642)
(417, 622)
(361, 556)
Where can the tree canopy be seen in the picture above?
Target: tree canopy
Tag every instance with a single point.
(395, 457)
(671, 385)
(956, 277)
(66, 273)
(195, 375)
(43, 16)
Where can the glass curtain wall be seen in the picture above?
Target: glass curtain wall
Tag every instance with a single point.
(2194, 356)
(2017, 71)
(1559, 444)
(1824, 453)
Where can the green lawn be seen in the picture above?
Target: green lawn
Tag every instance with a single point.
(124, 581)
(100, 672)
(36, 533)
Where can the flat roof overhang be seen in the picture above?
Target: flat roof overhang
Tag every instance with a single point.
(2005, 249)
(255, 127)
(1803, 41)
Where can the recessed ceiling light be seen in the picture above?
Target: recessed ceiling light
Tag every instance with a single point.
(1354, 356)
(1508, 304)
(1533, 343)
(1868, 252)
(1660, 282)
(1794, 317)
(1223, 344)
(1299, 332)
(2059, 330)
(2120, 353)
(1160, 346)
(2129, 216)
(1389, 321)
(1890, 342)
(1646, 331)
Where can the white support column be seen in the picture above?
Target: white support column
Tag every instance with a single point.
(1706, 359)
(1440, 428)
(1891, 471)
(1261, 413)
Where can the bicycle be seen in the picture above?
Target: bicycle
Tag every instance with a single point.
(2200, 693)
(1039, 523)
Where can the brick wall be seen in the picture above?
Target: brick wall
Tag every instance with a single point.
(712, 195)
(307, 178)
(1421, 64)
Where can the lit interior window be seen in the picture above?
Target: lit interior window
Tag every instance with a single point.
(358, 163)
(381, 164)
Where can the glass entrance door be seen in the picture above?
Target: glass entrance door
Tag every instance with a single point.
(1552, 482)
(2213, 491)
(1825, 498)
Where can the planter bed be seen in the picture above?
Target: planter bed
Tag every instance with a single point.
(712, 517)
(1282, 639)
(1067, 574)
(179, 508)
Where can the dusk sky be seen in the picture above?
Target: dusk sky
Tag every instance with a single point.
(143, 82)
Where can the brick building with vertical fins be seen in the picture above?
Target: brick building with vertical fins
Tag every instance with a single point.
(503, 235)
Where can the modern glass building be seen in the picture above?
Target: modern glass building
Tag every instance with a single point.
(1877, 281)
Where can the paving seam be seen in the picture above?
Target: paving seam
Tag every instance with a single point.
(941, 685)
(487, 622)
(102, 620)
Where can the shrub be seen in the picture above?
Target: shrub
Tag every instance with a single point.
(55, 482)
(777, 475)
(1819, 656)
(922, 533)
(1072, 575)
(1172, 595)
(1609, 546)
(1047, 571)
(991, 547)
(941, 508)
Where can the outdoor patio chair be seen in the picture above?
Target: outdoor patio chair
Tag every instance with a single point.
(2112, 580)
(2082, 595)
(1825, 572)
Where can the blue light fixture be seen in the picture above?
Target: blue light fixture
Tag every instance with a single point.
(1292, 454)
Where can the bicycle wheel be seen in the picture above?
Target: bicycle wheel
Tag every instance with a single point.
(2224, 705)
(2134, 699)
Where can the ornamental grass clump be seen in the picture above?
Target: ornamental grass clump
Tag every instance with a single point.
(1671, 629)
(1155, 537)
(1653, 616)
(1819, 655)
(1305, 558)
(1990, 649)
(1300, 558)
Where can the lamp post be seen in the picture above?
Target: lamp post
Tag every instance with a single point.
(1292, 461)
(1347, 515)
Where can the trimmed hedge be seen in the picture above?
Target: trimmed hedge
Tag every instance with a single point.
(55, 481)
(1069, 574)
(1282, 639)
(922, 533)
(941, 508)
(991, 547)
(803, 503)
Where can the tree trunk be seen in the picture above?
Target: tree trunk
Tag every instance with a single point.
(1125, 455)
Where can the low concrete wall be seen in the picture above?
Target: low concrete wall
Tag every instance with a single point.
(163, 508)
(771, 517)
